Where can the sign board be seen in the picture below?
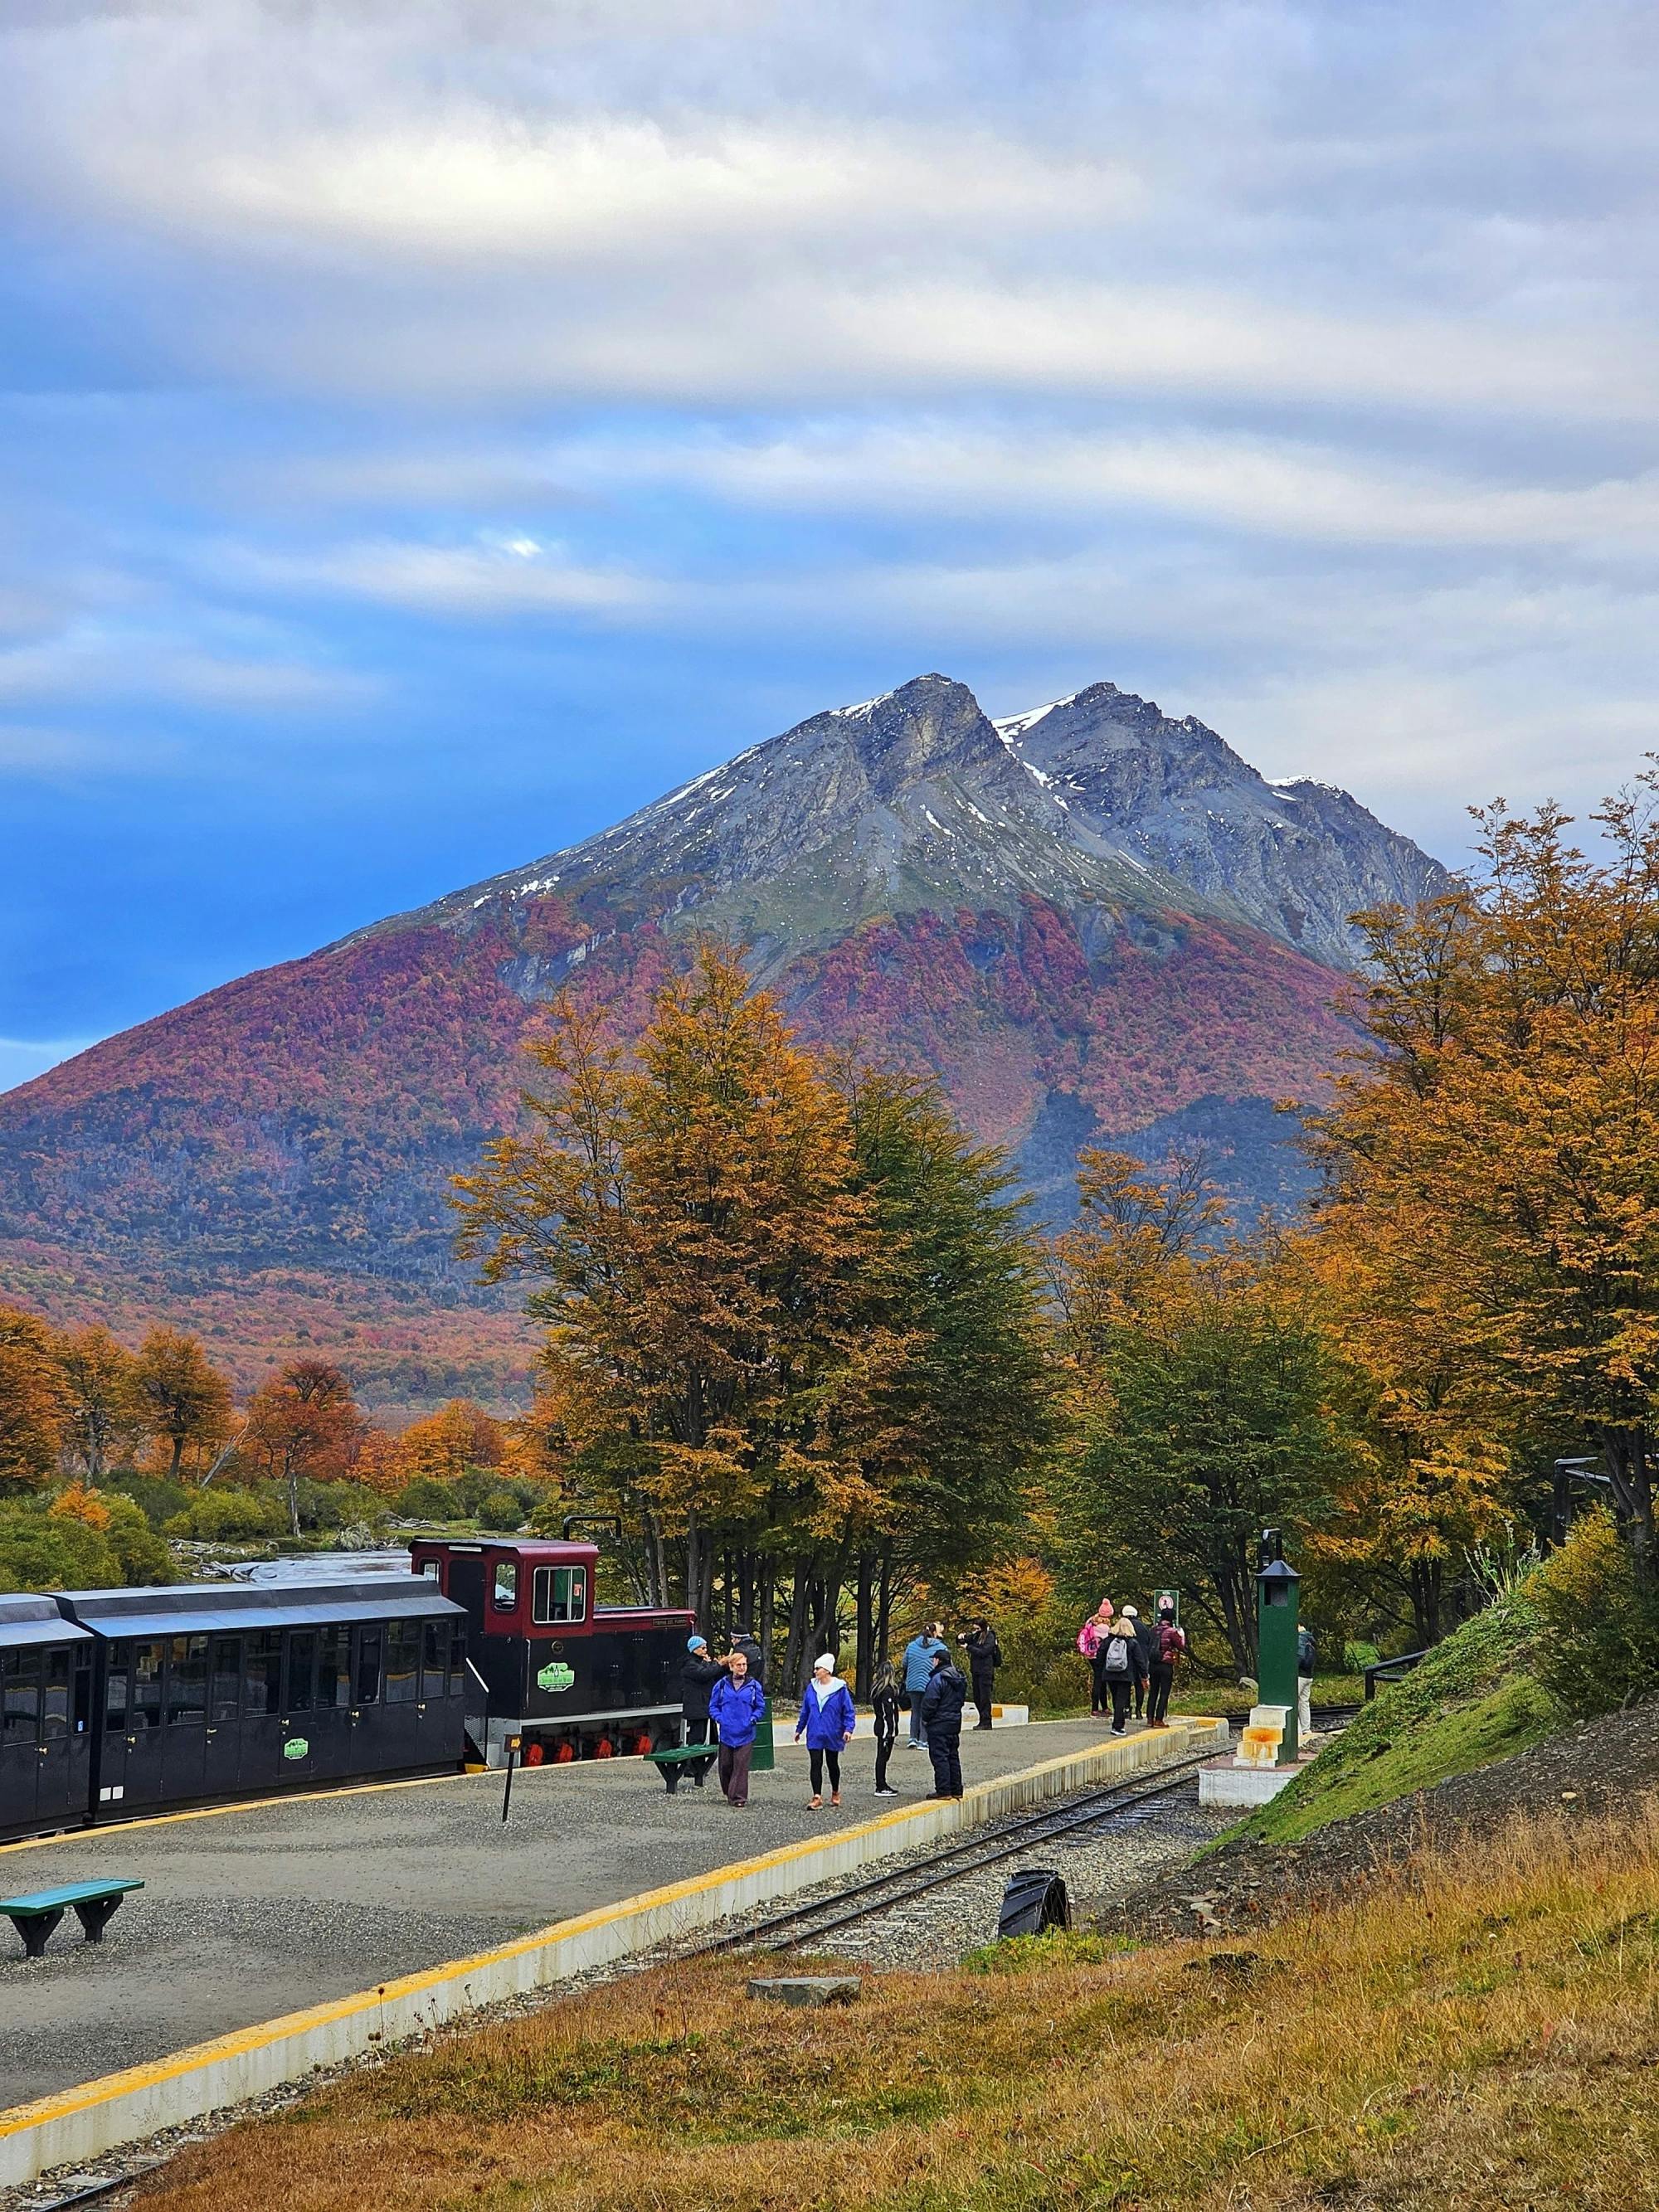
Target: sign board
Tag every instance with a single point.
(557, 1677)
(1167, 1601)
(296, 1747)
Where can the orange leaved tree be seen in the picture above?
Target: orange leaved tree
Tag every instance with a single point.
(304, 1423)
(178, 1395)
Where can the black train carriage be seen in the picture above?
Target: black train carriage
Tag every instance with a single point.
(45, 1716)
(234, 1689)
(571, 1679)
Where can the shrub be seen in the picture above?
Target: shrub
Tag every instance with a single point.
(155, 1497)
(340, 1505)
(499, 1508)
(142, 1556)
(425, 1499)
(1357, 1657)
(41, 1551)
(1600, 1648)
(231, 1514)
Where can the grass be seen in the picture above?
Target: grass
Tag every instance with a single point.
(1483, 2032)
(1472, 1701)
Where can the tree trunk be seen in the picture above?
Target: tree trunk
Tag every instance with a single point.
(1424, 1579)
(884, 1606)
(1235, 1588)
(293, 1473)
(178, 1455)
(769, 1598)
(864, 1656)
(799, 1593)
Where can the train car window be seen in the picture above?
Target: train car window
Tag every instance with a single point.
(55, 1694)
(262, 1673)
(559, 1593)
(334, 1668)
(187, 1681)
(225, 1701)
(403, 1654)
(433, 1642)
(20, 1696)
(301, 1670)
(115, 1690)
(506, 1585)
(430, 1570)
(83, 1689)
(368, 1666)
(457, 1652)
(144, 1704)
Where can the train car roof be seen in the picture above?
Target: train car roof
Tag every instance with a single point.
(36, 1620)
(178, 1611)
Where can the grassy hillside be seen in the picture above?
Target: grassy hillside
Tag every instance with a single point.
(1473, 1700)
(1484, 2034)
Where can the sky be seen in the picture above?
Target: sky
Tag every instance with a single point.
(430, 429)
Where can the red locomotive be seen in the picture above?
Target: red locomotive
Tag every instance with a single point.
(571, 1679)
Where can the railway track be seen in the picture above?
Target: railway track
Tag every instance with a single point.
(1124, 1804)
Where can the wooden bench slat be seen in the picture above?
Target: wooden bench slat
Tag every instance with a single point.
(76, 1892)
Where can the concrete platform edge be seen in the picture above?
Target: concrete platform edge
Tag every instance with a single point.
(85, 2122)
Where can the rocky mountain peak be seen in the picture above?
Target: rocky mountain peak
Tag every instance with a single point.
(929, 727)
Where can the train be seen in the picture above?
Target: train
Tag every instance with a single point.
(121, 1702)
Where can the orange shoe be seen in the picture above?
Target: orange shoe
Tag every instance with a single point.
(815, 1805)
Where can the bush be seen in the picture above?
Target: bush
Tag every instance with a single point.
(339, 1505)
(41, 1551)
(427, 1499)
(1600, 1648)
(499, 1508)
(157, 1498)
(1357, 1657)
(142, 1556)
(230, 1514)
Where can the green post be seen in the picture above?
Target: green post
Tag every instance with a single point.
(1277, 1620)
(761, 1759)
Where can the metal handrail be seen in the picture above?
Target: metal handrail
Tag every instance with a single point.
(1384, 1669)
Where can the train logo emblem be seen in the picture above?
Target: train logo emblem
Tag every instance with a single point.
(557, 1676)
(296, 1747)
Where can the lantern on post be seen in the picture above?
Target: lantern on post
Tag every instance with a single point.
(1278, 1622)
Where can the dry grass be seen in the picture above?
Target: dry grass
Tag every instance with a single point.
(1485, 2035)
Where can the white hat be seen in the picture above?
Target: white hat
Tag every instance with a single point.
(825, 1659)
(1130, 1613)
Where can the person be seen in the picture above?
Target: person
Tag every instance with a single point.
(1144, 1638)
(735, 1707)
(1090, 1637)
(984, 1657)
(919, 1654)
(698, 1675)
(1122, 1666)
(743, 1642)
(884, 1706)
(1168, 1642)
(941, 1704)
(1306, 1658)
(828, 1720)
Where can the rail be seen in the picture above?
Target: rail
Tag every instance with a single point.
(1390, 1670)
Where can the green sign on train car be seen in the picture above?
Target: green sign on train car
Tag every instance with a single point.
(558, 1676)
(296, 1747)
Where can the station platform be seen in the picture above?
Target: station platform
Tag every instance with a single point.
(253, 1912)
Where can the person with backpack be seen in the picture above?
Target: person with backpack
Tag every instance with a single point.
(919, 1654)
(984, 1657)
(1090, 1637)
(1168, 1643)
(884, 1705)
(1144, 1638)
(941, 1704)
(1123, 1664)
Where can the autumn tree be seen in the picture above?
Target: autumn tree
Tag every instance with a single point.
(1495, 1153)
(102, 1412)
(33, 1401)
(445, 1446)
(178, 1395)
(303, 1424)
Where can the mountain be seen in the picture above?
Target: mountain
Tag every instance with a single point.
(1096, 923)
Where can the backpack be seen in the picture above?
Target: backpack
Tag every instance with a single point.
(1171, 1642)
(1306, 1652)
(1116, 1660)
(1088, 1639)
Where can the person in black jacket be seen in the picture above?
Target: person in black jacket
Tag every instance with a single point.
(942, 1702)
(884, 1705)
(1145, 1637)
(743, 1642)
(698, 1675)
(1122, 1669)
(984, 1657)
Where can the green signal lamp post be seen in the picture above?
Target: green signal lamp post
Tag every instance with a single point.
(1278, 1622)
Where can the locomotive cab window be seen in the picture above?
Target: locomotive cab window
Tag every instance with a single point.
(559, 1593)
(506, 1585)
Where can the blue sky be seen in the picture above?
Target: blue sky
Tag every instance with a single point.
(431, 428)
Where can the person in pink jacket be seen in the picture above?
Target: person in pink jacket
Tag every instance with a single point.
(1090, 1636)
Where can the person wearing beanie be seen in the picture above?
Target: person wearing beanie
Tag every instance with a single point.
(1145, 1637)
(828, 1720)
(698, 1675)
(942, 1702)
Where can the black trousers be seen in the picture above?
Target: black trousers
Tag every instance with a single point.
(1159, 1677)
(1099, 1682)
(696, 1731)
(817, 1760)
(1120, 1686)
(944, 1749)
(983, 1698)
(884, 1752)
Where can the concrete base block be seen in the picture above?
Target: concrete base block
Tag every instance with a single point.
(1223, 1787)
(809, 1990)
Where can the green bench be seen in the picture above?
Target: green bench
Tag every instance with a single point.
(35, 1916)
(695, 1759)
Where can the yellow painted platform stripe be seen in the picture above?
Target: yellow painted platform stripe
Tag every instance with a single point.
(154, 2072)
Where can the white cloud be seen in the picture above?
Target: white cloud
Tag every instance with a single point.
(514, 575)
(23, 1058)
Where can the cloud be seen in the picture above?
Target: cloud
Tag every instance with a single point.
(497, 576)
(23, 1058)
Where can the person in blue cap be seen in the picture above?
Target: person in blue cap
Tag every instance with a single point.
(698, 1675)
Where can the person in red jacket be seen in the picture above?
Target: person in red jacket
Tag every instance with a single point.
(1168, 1643)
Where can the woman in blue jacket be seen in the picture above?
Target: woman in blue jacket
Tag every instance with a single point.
(736, 1707)
(828, 1718)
